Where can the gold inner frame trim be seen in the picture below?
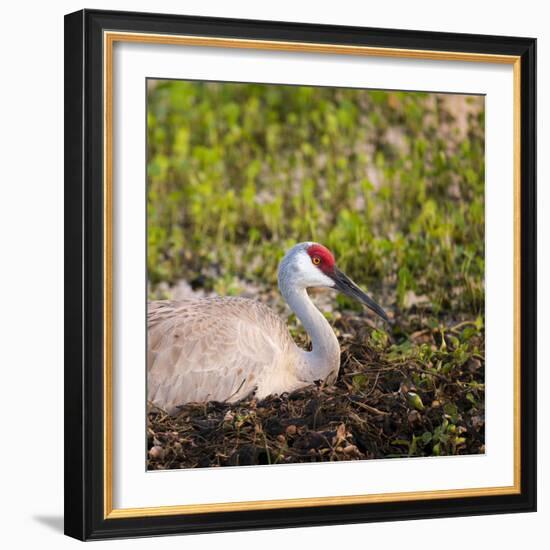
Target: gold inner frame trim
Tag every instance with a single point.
(109, 39)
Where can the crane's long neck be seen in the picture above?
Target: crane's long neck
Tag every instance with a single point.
(324, 358)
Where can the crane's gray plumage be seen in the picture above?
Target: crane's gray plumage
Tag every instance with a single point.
(226, 348)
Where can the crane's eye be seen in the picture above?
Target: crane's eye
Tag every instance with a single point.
(316, 260)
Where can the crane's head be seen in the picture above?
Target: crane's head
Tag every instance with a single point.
(308, 265)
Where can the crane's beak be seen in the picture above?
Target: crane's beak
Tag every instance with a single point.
(344, 284)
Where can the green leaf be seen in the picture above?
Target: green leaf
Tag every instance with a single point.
(359, 381)
(415, 401)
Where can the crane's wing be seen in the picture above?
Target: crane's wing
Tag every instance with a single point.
(208, 350)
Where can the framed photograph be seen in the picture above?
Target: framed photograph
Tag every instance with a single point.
(300, 274)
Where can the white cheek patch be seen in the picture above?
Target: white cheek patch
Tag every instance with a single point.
(308, 274)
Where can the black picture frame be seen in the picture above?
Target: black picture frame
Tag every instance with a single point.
(84, 281)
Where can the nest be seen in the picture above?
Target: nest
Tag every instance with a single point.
(422, 397)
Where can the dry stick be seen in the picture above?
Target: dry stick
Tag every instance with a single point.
(368, 408)
(436, 374)
(357, 418)
(374, 385)
(463, 324)
(414, 364)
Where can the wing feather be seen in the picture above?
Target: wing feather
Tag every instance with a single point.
(215, 349)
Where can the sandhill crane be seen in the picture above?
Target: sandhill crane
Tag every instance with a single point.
(226, 348)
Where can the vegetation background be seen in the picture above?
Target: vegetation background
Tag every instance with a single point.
(393, 183)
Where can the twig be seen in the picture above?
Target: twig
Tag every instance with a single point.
(373, 410)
